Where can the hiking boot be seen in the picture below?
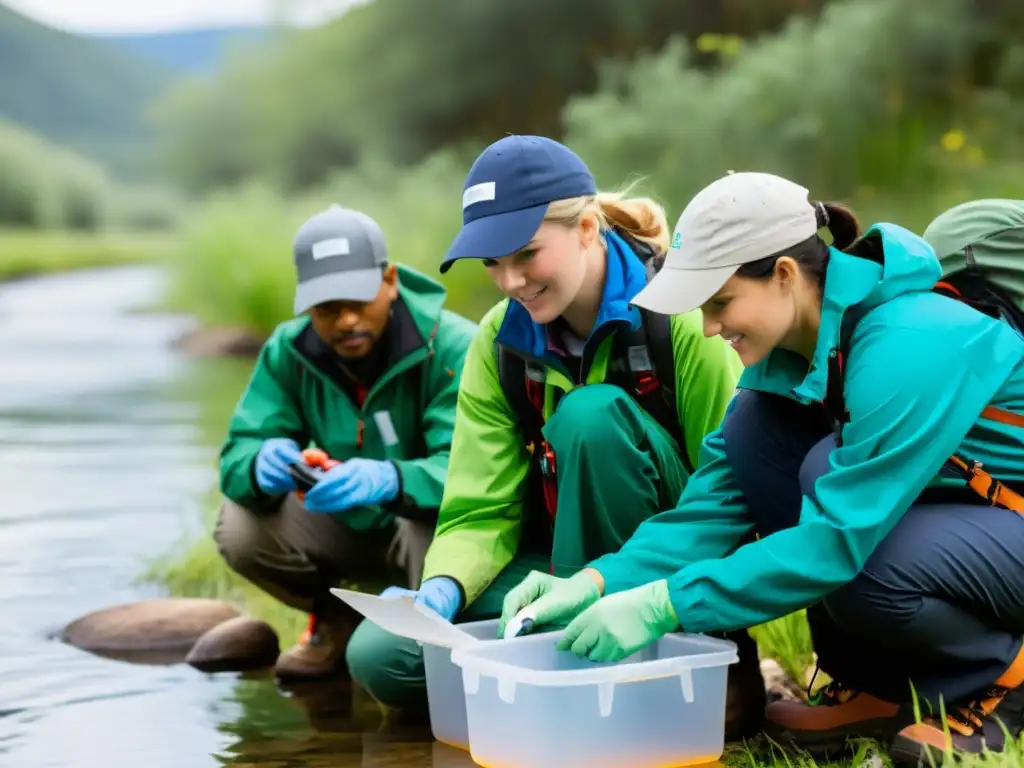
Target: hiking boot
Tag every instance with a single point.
(825, 723)
(319, 652)
(970, 728)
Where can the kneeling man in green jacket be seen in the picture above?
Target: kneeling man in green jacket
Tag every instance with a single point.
(368, 372)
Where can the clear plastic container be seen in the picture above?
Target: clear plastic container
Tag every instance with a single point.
(445, 696)
(531, 706)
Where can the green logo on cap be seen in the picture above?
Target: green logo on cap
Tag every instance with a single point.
(677, 239)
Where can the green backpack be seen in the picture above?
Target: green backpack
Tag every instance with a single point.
(980, 246)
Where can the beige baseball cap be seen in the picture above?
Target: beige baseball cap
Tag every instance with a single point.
(738, 219)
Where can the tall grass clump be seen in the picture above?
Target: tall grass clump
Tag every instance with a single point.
(232, 264)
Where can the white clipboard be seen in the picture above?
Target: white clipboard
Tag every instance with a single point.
(401, 616)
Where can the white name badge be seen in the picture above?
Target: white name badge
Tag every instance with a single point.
(386, 427)
(336, 246)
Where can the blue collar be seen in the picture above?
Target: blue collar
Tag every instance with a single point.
(625, 277)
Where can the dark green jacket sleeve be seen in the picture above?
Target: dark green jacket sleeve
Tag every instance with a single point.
(267, 408)
(422, 480)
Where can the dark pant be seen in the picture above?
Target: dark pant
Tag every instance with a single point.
(939, 603)
(297, 556)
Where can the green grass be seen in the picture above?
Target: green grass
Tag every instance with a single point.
(31, 252)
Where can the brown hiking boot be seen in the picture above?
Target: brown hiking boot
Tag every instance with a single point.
(823, 725)
(319, 652)
(970, 728)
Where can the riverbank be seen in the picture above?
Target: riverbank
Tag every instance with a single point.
(28, 253)
(202, 573)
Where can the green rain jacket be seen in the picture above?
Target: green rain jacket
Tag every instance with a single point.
(921, 368)
(298, 391)
(482, 512)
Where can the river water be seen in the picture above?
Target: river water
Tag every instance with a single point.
(105, 459)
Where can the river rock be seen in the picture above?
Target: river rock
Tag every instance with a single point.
(778, 683)
(170, 625)
(238, 644)
(222, 341)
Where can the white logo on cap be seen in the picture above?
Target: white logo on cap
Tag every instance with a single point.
(478, 193)
(336, 246)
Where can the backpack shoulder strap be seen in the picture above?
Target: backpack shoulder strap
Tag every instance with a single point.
(651, 362)
(514, 375)
(511, 375)
(835, 398)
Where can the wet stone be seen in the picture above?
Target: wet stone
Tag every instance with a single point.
(220, 341)
(239, 644)
(159, 629)
(778, 683)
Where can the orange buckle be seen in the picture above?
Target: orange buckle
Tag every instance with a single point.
(646, 383)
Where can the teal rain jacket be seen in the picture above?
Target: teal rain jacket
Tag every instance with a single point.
(921, 368)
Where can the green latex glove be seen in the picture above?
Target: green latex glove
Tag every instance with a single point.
(548, 599)
(621, 624)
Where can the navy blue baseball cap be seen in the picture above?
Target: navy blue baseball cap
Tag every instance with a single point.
(507, 192)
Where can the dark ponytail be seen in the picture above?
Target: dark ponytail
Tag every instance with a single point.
(812, 254)
(840, 221)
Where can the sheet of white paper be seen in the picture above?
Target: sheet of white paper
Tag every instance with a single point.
(400, 616)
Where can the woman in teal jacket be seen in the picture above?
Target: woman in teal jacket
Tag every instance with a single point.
(912, 580)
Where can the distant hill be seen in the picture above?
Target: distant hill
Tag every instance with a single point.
(197, 51)
(79, 92)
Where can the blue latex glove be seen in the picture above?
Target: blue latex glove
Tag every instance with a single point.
(619, 625)
(272, 465)
(440, 594)
(353, 483)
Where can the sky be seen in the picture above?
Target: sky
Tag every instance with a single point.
(161, 15)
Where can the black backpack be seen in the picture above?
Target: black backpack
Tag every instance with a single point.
(642, 363)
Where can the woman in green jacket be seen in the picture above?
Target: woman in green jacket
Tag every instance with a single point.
(570, 260)
(848, 452)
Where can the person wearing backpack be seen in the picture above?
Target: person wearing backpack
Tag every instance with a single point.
(546, 473)
(869, 393)
(367, 372)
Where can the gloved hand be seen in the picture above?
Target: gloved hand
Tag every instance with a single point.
(272, 465)
(548, 598)
(353, 483)
(621, 624)
(440, 594)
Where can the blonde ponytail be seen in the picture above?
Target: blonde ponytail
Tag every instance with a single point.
(639, 217)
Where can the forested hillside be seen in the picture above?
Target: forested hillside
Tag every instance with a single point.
(189, 52)
(78, 92)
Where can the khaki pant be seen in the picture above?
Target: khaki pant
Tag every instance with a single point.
(297, 556)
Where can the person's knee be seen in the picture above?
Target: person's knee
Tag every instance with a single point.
(389, 667)
(235, 535)
(761, 428)
(815, 465)
(867, 606)
(594, 414)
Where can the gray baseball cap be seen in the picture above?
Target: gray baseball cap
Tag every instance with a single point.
(339, 255)
(736, 220)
